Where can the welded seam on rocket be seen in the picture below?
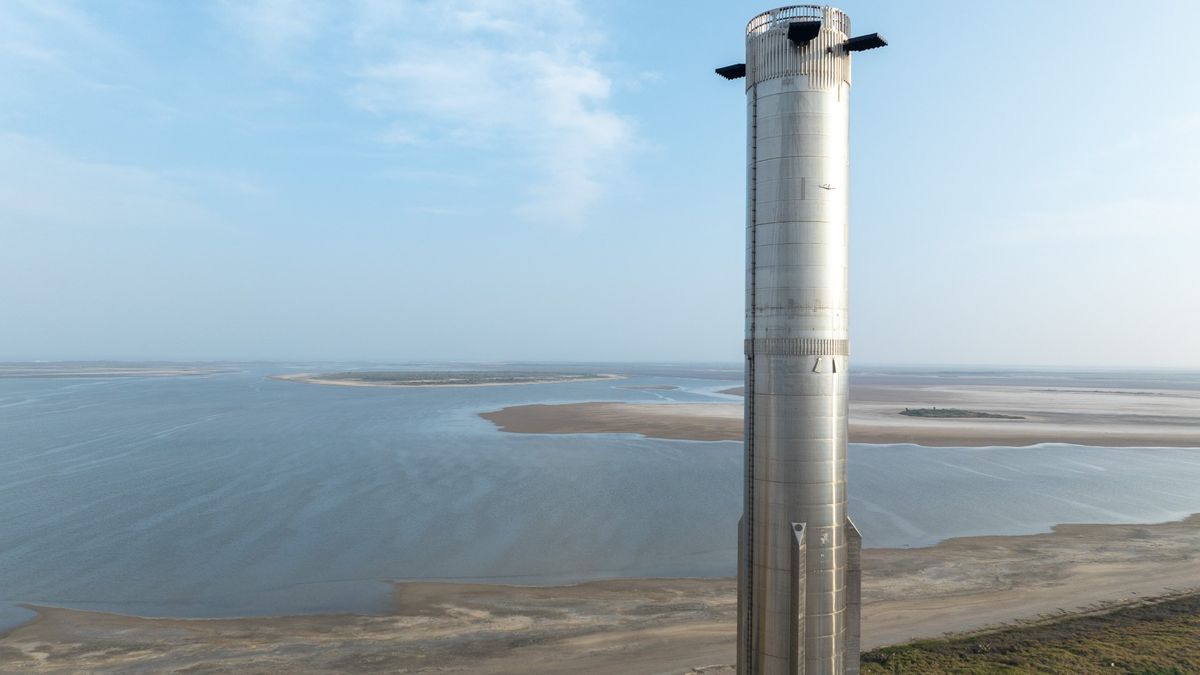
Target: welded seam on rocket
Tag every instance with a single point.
(748, 448)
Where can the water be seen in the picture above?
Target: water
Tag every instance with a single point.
(236, 494)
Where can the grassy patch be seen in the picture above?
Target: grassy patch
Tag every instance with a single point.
(956, 413)
(1157, 638)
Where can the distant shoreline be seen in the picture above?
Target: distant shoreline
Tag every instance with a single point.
(65, 370)
(315, 378)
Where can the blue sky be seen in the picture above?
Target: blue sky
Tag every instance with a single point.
(521, 180)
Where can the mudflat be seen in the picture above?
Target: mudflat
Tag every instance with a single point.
(627, 626)
(1085, 416)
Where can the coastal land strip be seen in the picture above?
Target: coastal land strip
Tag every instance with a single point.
(683, 626)
(440, 379)
(1000, 415)
(107, 369)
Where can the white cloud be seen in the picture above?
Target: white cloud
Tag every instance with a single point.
(399, 134)
(517, 83)
(436, 211)
(515, 75)
(1188, 124)
(275, 27)
(404, 175)
(516, 79)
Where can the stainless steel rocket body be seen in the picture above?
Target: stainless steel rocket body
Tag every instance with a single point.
(794, 532)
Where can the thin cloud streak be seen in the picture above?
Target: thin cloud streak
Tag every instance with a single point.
(43, 187)
(1167, 220)
(49, 35)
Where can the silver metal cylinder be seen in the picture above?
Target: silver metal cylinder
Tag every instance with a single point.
(796, 347)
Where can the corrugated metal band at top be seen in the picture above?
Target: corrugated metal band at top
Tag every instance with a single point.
(797, 347)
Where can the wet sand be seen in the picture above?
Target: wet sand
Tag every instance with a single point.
(683, 421)
(627, 626)
(1084, 416)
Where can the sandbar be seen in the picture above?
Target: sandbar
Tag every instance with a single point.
(1117, 418)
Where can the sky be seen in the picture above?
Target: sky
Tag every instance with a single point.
(557, 180)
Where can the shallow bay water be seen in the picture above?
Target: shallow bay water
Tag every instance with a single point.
(236, 494)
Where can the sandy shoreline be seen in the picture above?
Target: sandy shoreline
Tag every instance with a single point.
(628, 626)
(106, 371)
(1117, 418)
(314, 378)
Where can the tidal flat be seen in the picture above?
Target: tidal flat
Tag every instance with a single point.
(626, 626)
(256, 520)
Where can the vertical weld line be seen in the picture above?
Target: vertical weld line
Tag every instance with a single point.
(748, 446)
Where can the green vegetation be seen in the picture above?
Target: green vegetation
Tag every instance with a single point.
(955, 412)
(414, 378)
(1161, 637)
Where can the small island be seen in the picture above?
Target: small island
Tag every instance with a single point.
(451, 378)
(956, 413)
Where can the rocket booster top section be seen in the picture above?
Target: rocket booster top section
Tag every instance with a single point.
(808, 40)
